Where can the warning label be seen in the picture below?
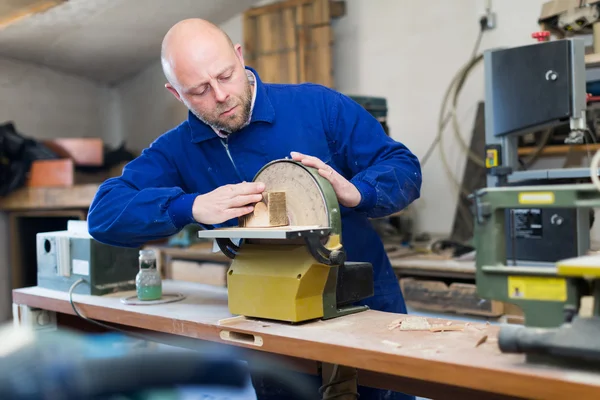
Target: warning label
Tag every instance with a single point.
(537, 288)
(527, 223)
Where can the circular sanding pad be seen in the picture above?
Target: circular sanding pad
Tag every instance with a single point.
(304, 198)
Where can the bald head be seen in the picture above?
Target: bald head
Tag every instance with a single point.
(205, 71)
(191, 38)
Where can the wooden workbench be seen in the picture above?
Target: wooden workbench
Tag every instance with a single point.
(429, 364)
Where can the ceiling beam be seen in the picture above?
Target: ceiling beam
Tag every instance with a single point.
(12, 11)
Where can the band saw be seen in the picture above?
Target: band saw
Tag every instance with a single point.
(290, 263)
(531, 225)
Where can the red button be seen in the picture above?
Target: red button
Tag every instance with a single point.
(542, 36)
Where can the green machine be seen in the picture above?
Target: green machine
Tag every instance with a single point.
(550, 297)
(289, 263)
(531, 226)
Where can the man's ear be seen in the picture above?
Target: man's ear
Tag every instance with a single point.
(174, 92)
(238, 53)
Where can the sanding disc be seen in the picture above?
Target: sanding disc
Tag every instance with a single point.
(304, 196)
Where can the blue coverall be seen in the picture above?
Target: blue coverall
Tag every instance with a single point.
(153, 197)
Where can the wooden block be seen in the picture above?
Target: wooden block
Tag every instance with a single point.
(270, 212)
(51, 173)
(415, 324)
(83, 151)
(277, 209)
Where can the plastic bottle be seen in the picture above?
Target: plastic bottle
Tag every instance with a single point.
(148, 281)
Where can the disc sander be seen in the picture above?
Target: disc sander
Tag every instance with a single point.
(309, 198)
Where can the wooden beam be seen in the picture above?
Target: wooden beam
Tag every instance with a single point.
(337, 8)
(12, 11)
(560, 150)
(274, 7)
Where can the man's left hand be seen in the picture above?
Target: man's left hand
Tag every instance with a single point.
(347, 194)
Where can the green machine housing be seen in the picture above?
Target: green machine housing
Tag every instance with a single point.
(548, 296)
(64, 257)
(540, 217)
(555, 332)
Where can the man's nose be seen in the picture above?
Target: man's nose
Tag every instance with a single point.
(220, 94)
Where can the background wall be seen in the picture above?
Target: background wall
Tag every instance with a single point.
(45, 104)
(147, 108)
(409, 54)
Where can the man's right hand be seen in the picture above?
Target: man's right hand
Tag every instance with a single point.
(227, 202)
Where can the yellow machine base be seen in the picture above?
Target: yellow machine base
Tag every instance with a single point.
(277, 282)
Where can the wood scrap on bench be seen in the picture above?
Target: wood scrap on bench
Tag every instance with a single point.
(423, 324)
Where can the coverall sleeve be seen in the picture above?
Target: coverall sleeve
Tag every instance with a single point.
(386, 173)
(145, 203)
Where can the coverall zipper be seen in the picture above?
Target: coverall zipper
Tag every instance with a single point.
(226, 145)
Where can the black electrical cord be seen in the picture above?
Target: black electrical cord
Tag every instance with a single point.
(101, 324)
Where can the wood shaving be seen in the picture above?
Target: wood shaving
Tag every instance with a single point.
(481, 340)
(422, 324)
(445, 328)
(394, 324)
(410, 324)
(415, 324)
(231, 320)
(390, 343)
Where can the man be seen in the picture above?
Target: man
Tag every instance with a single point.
(201, 171)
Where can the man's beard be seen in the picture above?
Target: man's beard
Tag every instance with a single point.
(232, 123)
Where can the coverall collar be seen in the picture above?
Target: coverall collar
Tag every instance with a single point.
(263, 112)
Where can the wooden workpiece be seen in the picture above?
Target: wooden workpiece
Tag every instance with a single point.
(271, 212)
(462, 361)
